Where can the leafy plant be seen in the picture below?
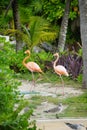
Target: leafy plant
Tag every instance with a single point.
(79, 78)
(53, 10)
(74, 10)
(39, 30)
(2, 39)
(10, 117)
(75, 65)
(16, 61)
(11, 102)
(12, 59)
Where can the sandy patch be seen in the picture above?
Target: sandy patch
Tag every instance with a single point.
(60, 124)
(50, 121)
(47, 89)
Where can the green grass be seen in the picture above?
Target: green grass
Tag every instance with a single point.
(49, 77)
(76, 106)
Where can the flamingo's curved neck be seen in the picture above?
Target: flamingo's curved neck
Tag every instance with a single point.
(24, 61)
(56, 61)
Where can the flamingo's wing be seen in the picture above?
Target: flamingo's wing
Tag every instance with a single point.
(61, 70)
(33, 67)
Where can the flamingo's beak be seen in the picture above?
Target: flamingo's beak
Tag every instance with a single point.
(55, 54)
(27, 51)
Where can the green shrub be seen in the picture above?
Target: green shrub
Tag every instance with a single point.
(11, 101)
(9, 97)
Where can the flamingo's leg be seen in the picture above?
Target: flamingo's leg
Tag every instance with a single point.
(33, 82)
(62, 83)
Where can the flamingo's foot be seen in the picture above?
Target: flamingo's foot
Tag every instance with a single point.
(33, 86)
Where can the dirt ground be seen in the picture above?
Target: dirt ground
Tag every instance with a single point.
(47, 121)
(60, 124)
(48, 89)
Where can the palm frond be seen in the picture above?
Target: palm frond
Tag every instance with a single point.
(40, 30)
(48, 36)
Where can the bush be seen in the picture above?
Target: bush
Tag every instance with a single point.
(11, 58)
(11, 102)
(9, 97)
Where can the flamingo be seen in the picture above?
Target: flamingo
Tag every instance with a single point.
(31, 66)
(59, 69)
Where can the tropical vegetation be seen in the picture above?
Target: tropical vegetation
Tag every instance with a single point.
(49, 26)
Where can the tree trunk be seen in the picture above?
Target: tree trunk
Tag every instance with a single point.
(16, 23)
(64, 25)
(83, 30)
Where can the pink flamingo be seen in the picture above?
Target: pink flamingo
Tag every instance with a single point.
(59, 69)
(31, 66)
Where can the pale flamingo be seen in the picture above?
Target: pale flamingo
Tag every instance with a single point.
(59, 69)
(31, 66)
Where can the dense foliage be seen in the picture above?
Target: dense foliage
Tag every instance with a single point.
(11, 101)
(52, 11)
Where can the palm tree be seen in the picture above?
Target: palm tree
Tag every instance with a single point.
(16, 23)
(39, 31)
(64, 25)
(83, 30)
